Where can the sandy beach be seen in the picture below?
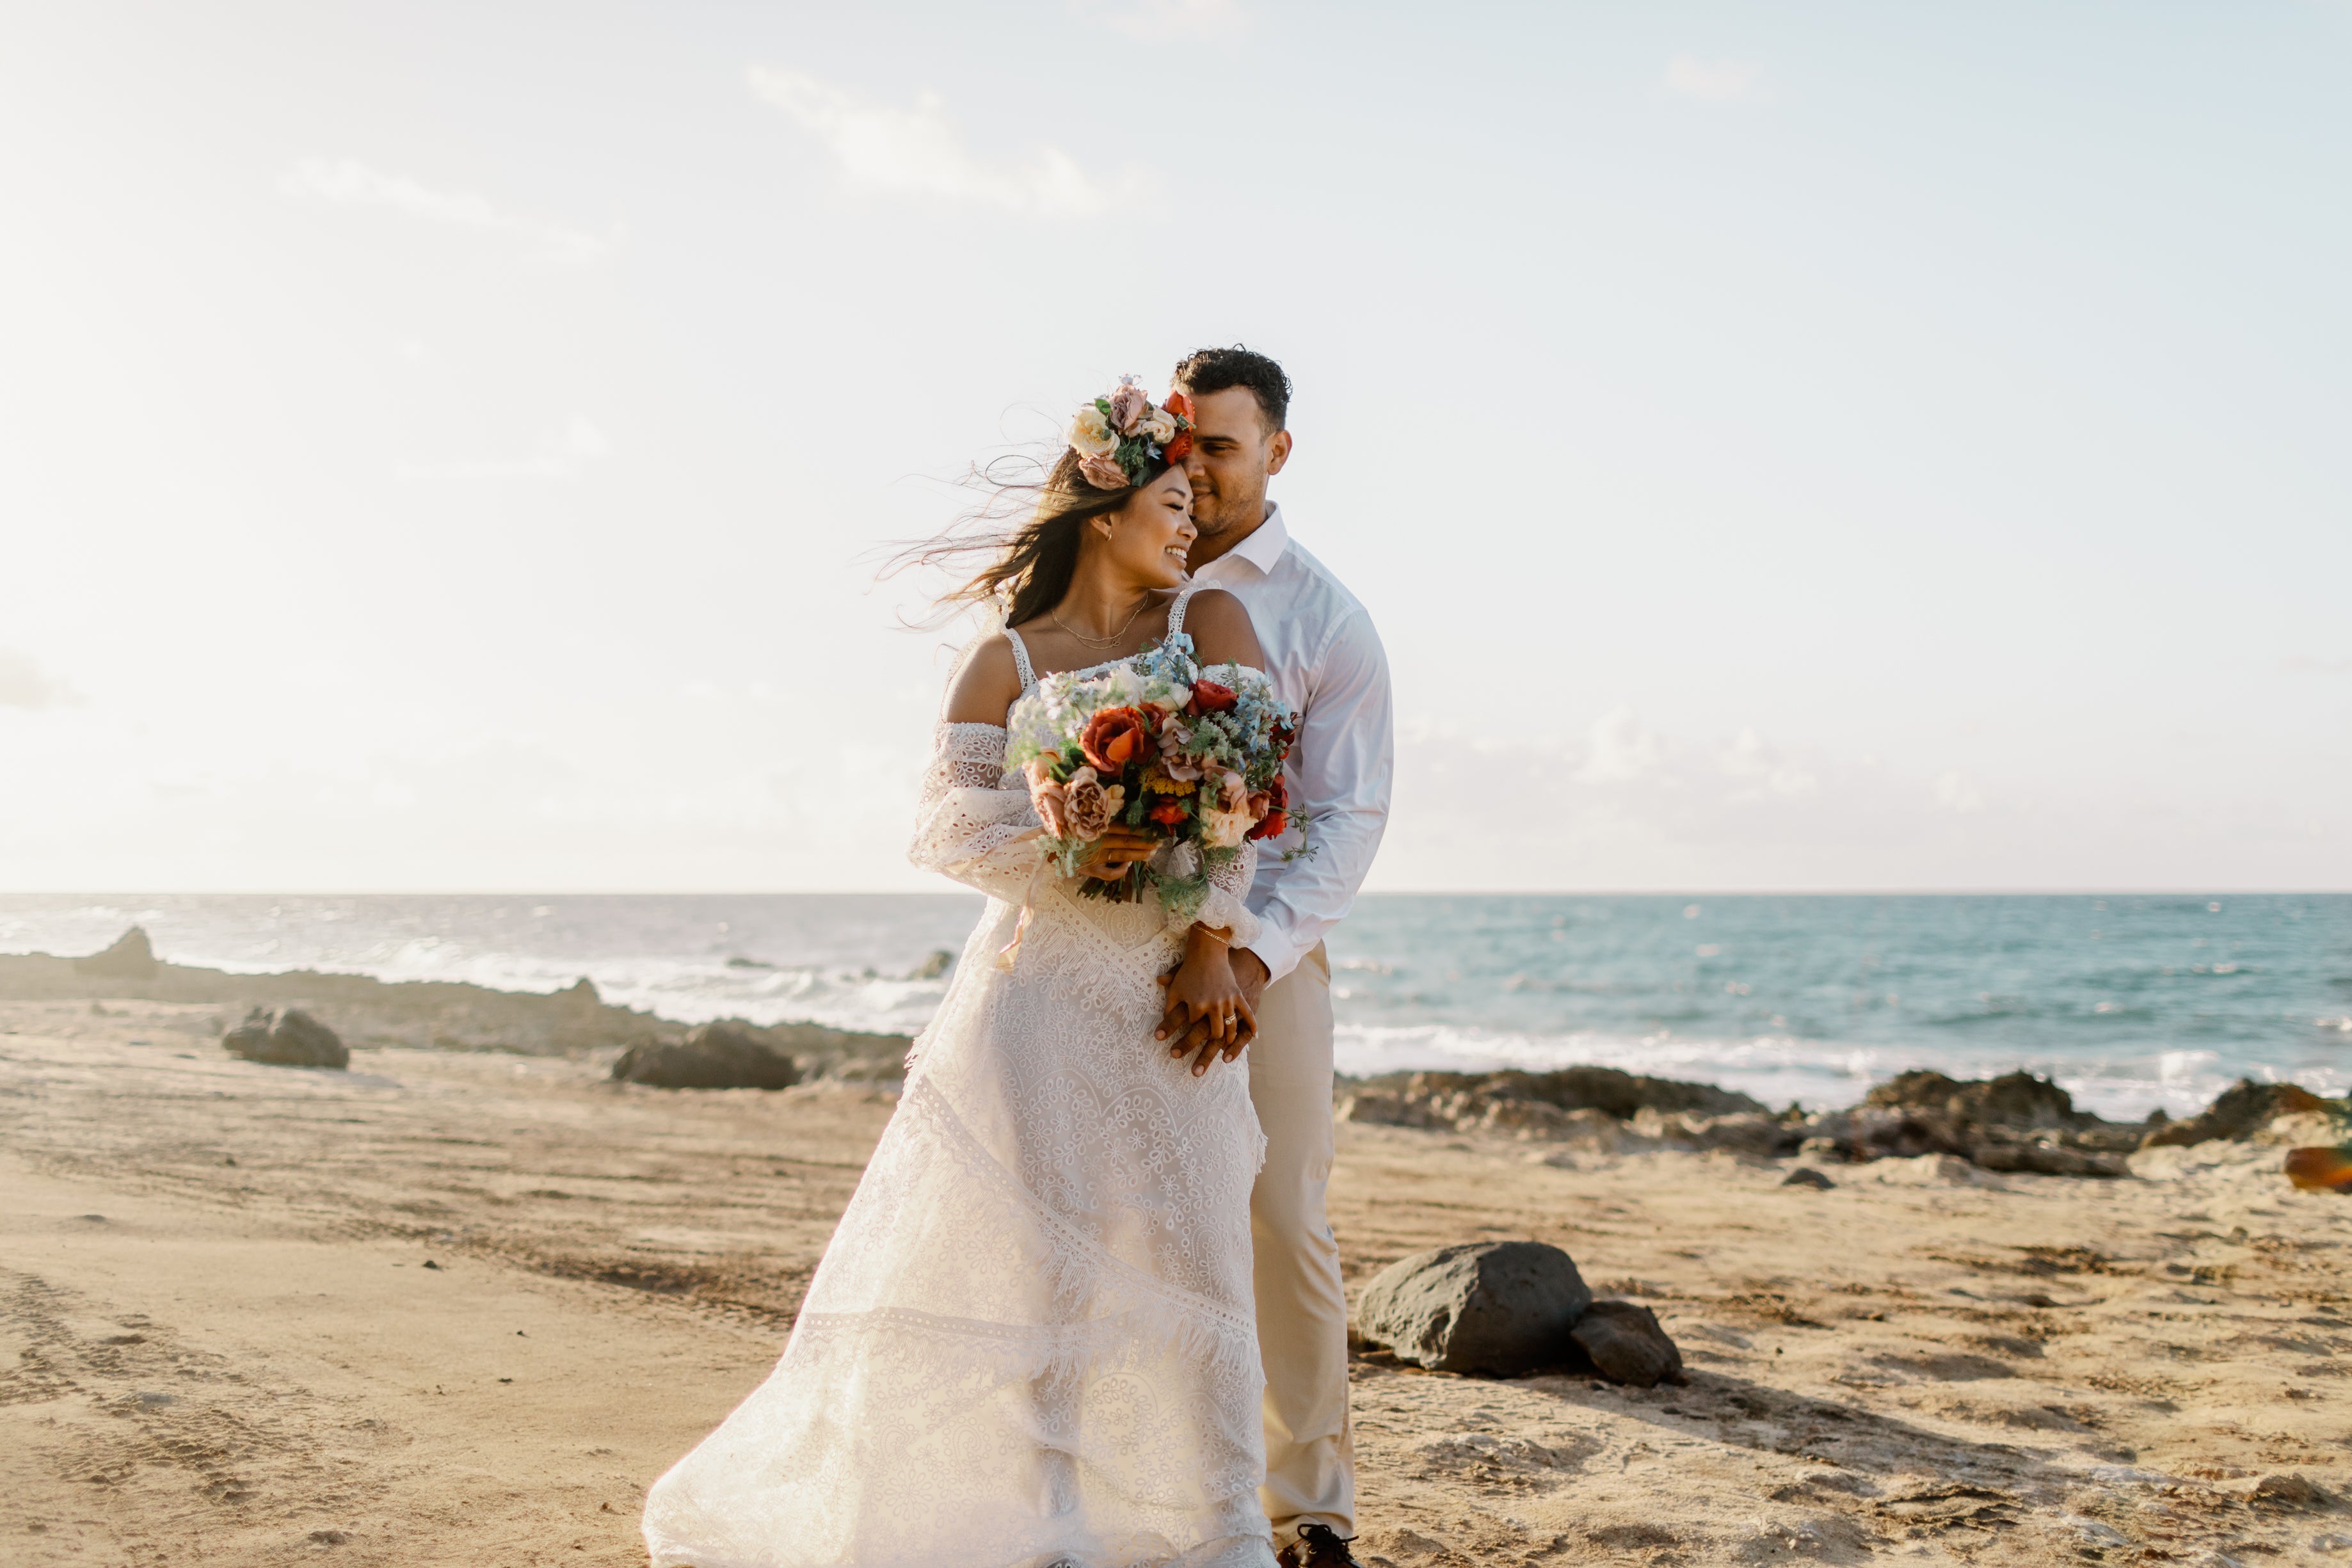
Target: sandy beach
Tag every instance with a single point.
(462, 1306)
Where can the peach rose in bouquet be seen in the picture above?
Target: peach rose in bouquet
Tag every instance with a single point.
(1089, 805)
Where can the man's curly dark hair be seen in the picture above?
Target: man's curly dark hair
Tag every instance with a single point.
(1204, 370)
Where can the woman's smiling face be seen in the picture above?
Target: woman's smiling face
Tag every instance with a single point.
(1152, 533)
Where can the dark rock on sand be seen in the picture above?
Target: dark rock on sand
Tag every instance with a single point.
(2017, 1100)
(1531, 1104)
(291, 1038)
(1806, 1177)
(1501, 1307)
(2045, 1158)
(2242, 1110)
(2013, 1122)
(1627, 1345)
(2292, 1492)
(133, 957)
(712, 1056)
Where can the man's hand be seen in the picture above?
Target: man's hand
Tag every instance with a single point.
(1210, 976)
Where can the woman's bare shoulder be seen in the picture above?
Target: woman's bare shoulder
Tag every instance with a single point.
(1220, 628)
(986, 686)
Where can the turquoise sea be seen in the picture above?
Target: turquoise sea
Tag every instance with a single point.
(2130, 1001)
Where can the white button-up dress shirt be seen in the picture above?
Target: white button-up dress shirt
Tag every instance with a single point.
(1326, 662)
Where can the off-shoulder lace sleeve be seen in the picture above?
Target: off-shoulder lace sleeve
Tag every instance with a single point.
(1229, 885)
(968, 826)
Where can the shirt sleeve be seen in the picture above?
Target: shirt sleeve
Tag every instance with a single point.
(1340, 773)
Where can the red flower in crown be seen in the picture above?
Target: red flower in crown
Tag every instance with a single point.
(1181, 406)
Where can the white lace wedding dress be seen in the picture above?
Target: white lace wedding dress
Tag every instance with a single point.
(1031, 1342)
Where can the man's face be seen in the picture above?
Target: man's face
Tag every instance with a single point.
(1232, 456)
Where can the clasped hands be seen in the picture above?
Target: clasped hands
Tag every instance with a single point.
(1212, 993)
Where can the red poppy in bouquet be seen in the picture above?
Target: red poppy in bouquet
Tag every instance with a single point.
(1210, 696)
(1272, 805)
(1115, 739)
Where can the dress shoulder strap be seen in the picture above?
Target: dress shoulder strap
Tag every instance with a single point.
(1176, 610)
(1020, 658)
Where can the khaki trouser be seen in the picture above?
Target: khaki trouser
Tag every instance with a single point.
(1302, 1314)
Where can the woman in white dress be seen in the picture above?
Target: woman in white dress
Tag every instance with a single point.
(1031, 1342)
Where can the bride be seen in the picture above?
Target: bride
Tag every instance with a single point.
(1031, 1343)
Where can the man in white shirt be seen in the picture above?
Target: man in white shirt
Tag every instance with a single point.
(1326, 662)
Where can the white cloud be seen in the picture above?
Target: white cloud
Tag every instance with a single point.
(1960, 793)
(1758, 764)
(348, 183)
(1621, 752)
(1159, 21)
(920, 152)
(1714, 81)
(25, 684)
(560, 454)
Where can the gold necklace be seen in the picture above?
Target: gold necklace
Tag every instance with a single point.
(1111, 641)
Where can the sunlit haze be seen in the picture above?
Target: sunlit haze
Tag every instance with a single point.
(1804, 446)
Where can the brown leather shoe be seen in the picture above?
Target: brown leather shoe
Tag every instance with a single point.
(1317, 1546)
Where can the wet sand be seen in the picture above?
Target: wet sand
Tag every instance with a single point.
(223, 1342)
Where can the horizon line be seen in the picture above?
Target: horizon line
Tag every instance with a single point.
(2181, 890)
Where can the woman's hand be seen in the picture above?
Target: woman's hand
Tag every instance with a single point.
(1204, 989)
(1117, 849)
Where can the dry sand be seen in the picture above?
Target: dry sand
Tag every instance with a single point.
(225, 1343)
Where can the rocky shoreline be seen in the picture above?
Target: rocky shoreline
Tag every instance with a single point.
(2017, 1122)
(436, 1014)
(2014, 1123)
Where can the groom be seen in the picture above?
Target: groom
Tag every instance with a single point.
(1325, 663)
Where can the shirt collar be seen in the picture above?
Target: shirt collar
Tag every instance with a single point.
(1264, 546)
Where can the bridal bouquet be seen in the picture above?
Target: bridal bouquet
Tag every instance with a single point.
(1155, 743)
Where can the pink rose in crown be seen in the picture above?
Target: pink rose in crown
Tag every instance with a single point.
(1127, 406)
(1103, 472)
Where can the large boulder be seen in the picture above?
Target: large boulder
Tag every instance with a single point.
(2017, 1121)
(2016, 1099)
(132, 957)
(1620, 1094)
(2242, 1110)
(291, 1038)
(712, 1056)
(2043, 1157)
(1546, 1106)
(1627, 1345)
(1500, 1306)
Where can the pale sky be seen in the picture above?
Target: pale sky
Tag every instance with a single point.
(1841, 446)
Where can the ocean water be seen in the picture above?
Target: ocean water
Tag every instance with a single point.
(2131, 1001)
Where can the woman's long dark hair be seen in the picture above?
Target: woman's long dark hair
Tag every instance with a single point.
(1029, 562)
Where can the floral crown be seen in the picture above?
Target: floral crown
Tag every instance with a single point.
(1119, 436)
